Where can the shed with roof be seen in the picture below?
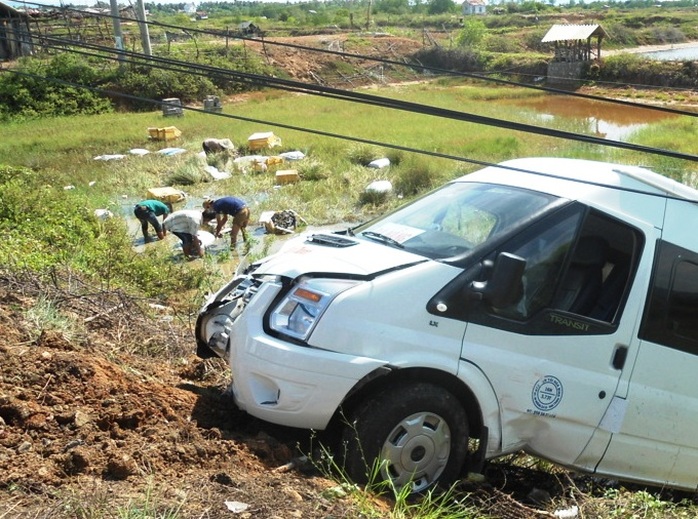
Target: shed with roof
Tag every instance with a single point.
(576, 47)
(574, 42)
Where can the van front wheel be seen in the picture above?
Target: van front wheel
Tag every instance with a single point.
(414, 435)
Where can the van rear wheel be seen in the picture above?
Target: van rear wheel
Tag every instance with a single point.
(414, 435)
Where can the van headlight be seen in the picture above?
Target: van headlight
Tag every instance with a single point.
(300, 310)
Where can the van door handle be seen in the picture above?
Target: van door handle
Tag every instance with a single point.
(619, 356)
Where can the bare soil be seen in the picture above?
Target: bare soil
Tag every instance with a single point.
(337, 70)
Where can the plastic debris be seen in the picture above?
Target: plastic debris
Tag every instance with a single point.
(379, 163)
(216, 174)
(138, 151)
(164, 134)
(292, 155)
(217, 145)
(171, 151)
(567, 513)
(236, 506)
(103, 214)
(380, 186)
(166, 194)
(261, 140)
(92, 183)
(280, 222)
(110, 157)
(68, 188)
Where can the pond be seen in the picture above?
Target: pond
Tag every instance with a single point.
(688, 53)
(603, 119)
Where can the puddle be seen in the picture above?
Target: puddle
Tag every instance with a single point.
(608, 120)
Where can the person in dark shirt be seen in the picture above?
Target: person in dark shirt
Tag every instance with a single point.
(225, 207)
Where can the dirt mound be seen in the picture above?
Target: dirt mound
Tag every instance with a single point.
(87, 418)
(291, 54)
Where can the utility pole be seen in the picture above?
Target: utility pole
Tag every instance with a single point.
(142, 23)
(118, 35)
(368, 14)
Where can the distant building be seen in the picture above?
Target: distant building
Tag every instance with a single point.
(249, 29)
(15, 36)
(471, 7)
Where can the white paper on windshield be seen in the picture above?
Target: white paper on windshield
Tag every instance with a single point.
(398, 232)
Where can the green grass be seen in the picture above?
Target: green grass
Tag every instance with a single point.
(61, 152)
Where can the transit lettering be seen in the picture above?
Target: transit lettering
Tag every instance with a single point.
(569, 323)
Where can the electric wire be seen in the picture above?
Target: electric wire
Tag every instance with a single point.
(370, 99)
(481, 77)
(360, 140)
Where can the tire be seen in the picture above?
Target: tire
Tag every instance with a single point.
(419, 432)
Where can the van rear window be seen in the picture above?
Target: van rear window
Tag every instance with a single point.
(670, 315)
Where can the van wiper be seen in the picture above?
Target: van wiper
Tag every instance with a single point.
(382, 238)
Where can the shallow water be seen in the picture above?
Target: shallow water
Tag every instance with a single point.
(603, 119)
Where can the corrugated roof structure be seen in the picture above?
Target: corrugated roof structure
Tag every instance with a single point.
(573, 32)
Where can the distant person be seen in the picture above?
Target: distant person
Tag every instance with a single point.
(221, 209)
(212, 146)
(185, 225)
(148, 211)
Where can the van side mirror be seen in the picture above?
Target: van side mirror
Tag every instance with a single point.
(503, 287)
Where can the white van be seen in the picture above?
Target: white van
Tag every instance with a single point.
(546, 305)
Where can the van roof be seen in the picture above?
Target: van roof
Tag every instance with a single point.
(605, 174)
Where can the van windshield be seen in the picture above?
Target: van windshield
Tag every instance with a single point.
(455, 218)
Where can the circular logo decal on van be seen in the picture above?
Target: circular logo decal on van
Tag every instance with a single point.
(547, 393)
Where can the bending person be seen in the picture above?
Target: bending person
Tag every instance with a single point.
(221, 209)
(185, 224)
(147, 211)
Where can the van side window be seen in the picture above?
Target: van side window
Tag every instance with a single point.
(672, 303)
(574, 271)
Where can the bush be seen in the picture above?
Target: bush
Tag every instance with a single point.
(151, 85)
(362, 154)
(42, 89)
(312, 169)
(414, 176)
(462, 60)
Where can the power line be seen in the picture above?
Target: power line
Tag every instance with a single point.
(374, 100)
(481, 77)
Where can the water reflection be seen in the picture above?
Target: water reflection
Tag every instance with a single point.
(608, 120)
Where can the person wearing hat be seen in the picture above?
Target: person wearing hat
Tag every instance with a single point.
(147, 211)
(227, 206)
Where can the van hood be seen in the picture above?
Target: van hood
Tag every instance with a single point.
(335, 254)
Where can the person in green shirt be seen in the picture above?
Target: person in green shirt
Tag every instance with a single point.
(147, 211)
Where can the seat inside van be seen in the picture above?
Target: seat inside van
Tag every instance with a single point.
(581, 287)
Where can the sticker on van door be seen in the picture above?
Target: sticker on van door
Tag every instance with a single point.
(547, 394)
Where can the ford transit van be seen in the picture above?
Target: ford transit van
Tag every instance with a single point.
(543, 304)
